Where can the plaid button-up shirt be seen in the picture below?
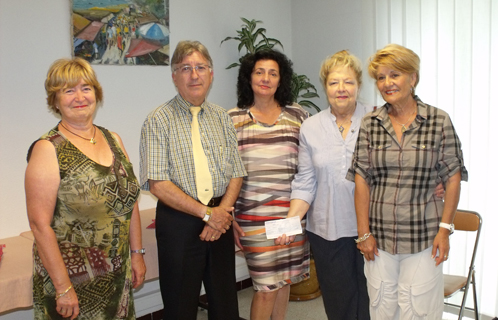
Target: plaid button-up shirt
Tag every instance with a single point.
(404, 213)
(166, 146)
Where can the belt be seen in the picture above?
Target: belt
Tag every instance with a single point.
(214, 202)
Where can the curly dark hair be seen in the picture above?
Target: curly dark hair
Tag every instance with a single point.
(245, 95)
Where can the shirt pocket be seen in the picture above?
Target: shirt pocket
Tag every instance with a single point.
(422, 155)
(224, 160)
(383, 154)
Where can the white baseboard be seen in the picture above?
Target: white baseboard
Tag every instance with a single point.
(148, 298)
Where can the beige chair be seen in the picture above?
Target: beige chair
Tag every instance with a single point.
(468, 221)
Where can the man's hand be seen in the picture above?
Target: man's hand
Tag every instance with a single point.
(209, 234)
(221, 218)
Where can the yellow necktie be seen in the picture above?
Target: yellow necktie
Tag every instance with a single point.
(203, 178)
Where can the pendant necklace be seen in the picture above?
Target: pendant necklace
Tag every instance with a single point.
(403, 128)
(341, 127)
(92, 140)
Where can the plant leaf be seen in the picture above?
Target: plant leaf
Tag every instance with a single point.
(309, 95)
(233, 65)
(309, 104)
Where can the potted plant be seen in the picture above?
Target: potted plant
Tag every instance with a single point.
(253, 39)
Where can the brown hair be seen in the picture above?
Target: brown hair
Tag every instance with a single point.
(185, 48)
(67, 73)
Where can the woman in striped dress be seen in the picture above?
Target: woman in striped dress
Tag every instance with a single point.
(268, 124)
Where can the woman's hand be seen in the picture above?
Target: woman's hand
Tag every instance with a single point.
(138, 269)
(237, 233)
(441, 246)
(439, 191)
(368, 248)
(284, 240)
(67, 305)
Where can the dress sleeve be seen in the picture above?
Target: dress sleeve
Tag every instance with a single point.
(360, 162)
(305, 183)
(450, 156)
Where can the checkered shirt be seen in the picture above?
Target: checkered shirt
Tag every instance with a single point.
(404, 212)
(166, 146)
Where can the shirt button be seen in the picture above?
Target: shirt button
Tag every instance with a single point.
(423, 146)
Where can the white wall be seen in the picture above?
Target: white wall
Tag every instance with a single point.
(320, 29)
(35, 33)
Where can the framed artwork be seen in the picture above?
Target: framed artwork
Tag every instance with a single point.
(121, 32)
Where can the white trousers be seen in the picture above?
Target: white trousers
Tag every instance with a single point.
(405, 286)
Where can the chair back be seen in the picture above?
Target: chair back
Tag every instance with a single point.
(467, 221)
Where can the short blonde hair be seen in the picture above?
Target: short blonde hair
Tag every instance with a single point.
(185, 48)
(67, 73)
(341, 59)
(395, 57)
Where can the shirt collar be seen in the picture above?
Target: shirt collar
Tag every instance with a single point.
(381, 113)
(357, 114)
(185, 105)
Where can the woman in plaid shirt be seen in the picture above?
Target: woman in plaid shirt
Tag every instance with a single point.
(404, 149)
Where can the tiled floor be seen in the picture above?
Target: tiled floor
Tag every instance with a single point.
(298, 310)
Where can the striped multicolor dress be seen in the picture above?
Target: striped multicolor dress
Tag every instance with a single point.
(270, 155)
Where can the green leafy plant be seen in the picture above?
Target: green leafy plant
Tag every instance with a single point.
(254, 39)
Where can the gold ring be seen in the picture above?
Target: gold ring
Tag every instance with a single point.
(212, 237)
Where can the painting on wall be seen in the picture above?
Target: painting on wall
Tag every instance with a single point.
(121, 32)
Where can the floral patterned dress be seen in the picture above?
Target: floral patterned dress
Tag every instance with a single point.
(92, 224)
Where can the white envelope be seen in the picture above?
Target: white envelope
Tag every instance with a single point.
(288, 226)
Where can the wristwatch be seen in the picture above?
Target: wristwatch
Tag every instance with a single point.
(142, 251)
(448, 226)
(207, 215)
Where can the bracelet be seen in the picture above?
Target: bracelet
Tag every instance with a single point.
(361, 239)
(60, 295)
(142, 251)
(207, 215)
(449, 226)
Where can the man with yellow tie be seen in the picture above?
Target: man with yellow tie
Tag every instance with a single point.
(189, 160)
